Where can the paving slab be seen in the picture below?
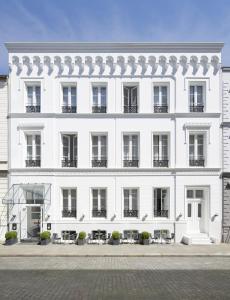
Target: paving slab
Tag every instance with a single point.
(109, 250)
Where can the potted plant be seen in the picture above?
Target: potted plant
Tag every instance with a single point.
(145, 238)
(45, 238)
(81, 238)
(116, 238)
(11, 238)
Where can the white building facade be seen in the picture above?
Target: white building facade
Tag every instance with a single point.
(115, 136)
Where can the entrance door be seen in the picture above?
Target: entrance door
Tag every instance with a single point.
(33, 221)
(195, 211)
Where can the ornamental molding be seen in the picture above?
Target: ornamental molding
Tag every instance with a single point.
(114, 65)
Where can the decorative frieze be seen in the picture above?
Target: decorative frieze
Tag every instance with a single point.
(116, 65)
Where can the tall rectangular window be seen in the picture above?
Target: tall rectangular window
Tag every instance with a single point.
(196, 98)
(130, 99)
(160, 150)
(33, 104)
(99, 203)
(33, 146)
(161, 202)
(160, 94)
(130, 202)
(196, 150)
(99, 151)
(69, 104)
(99, 99)
(69, 146)
(69, 198)
(130, 150)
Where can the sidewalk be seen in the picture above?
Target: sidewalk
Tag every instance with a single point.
(25, 250)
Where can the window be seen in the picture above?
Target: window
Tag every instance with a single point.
(160, 150)
(130, 203)
(161, 205)
(33, 98)
(99, 151)
(99, 99)
(196, 150)
(99, 203)
(160, 94)
(69, 203)
(69, 99)
(196, 98)
(69, 143)
(130, 150)
(130, 99)
(34, 195)
(195, 194)
(189, 210)
(33, 150)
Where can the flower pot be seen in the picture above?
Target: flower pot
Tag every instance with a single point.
(116, 242)
(44, 242)
(145, 242)
(11, 242)
(81, 242)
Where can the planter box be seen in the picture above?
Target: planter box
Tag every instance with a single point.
(11, 242)
(44, 242)
(81, 242)
(145, 242)
(116, 242)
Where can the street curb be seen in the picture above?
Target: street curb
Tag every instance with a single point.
(118, 255)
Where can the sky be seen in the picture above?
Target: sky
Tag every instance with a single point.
(114, 20)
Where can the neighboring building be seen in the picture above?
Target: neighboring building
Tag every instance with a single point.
(226, 155)
(3, 153)
(115, 136)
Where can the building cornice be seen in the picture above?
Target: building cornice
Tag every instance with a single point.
(105, 47)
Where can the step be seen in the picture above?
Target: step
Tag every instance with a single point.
(196, 239)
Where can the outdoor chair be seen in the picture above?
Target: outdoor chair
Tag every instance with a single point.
(156, 236)
(56, 239)
(169, 238)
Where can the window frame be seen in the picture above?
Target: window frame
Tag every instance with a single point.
(123, 202)
(204, 87)
(68, 85)
(99, 86)
(196, 133)
(168, 143)
(129, 85)
(70, 208)
(167, 199)
(98, 200)
(130, 134)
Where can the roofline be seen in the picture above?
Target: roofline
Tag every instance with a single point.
(49, 47)
(225, 69)
(3, 77)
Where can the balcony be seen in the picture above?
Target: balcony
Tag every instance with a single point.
(161, 213)
(134, 163)
(96, 213)
(33, 163)
(99, 109)
(69, 163)
(69, 213)
(99, 163)
(161, 163)
(69, 109)
(130, 213)
(130, 109)
(33, 108)
(197, 108)
(196, 162)
(160, 108)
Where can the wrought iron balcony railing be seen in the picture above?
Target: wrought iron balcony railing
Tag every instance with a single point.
(160, 108)
(96, 213)
(130, 213)
(99, 163)
(69, 109)
(130, 109)
(69, 213)
(197, 108)
(33, 108)
(161, 163)
(99, 109)
(134, 163)
(161, 213)
(33, 163)
(69, 163)
(196, 162)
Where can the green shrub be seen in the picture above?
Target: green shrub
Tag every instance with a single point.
(145, 235)
(116, 235)
(45, 235)
(11, 235)
(82, 235)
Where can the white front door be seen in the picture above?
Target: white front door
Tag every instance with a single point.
(195, 211)
(33, 221)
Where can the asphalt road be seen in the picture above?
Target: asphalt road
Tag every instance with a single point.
(114, 278)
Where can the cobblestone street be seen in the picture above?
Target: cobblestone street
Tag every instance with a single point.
(115, 278)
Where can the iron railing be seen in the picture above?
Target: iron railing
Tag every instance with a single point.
(131, 163)
(69, 213)
(69, 109)
(196, 162)
(69, 163)
(160, 108)
(130, 213)
(96, 213)
(161, 163)
(99, 109)
(99, 163)
(130, 108)
(161, 213)
(33, 163)
(33, 108)
(197, 108)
